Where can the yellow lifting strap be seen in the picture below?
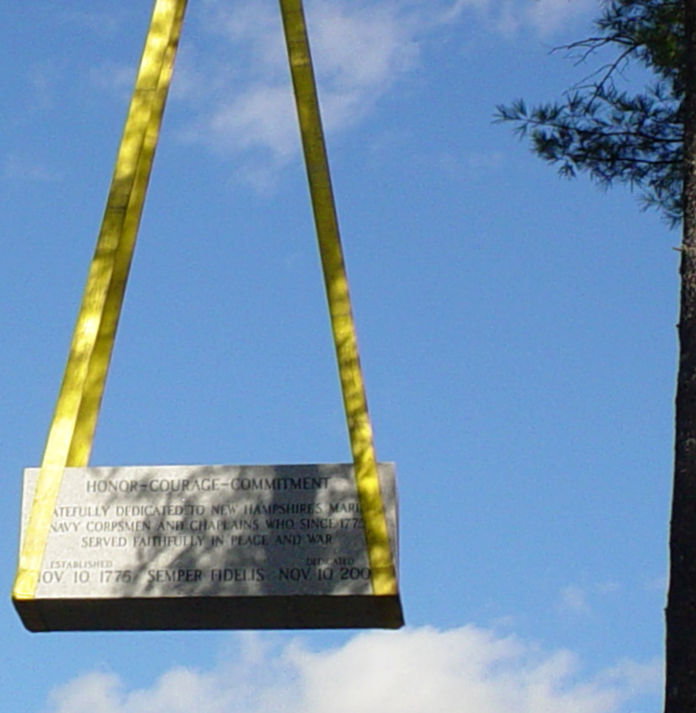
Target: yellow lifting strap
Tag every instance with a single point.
(70, 435)
(72, 429)
(338, 296)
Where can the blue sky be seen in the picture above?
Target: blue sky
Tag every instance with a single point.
(516, 333)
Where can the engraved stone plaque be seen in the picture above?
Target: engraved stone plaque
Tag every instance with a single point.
(209, 547)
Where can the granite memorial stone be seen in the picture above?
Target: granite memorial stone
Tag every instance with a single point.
(209, 547)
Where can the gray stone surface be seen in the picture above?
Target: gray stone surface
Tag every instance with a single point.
(188, 547)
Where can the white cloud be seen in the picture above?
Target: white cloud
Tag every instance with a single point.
(409, 671)
(548, 16)
(360, 49)
(260, 117)
(637, 678)
(577, 600)
(236, 78)
(233, 73)
(574, 599)
(510, 17)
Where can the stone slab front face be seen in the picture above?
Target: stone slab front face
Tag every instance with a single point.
(207, 547)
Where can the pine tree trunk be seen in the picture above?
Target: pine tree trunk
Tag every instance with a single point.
(680, 686)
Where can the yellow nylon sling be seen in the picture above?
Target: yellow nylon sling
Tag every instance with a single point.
(72, 429)
(70, 435)
(336, 283)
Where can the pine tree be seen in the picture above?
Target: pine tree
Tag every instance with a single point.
(613, 135)
(648, 141)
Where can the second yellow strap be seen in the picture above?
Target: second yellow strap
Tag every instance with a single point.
(72, 429)
(336, 284)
